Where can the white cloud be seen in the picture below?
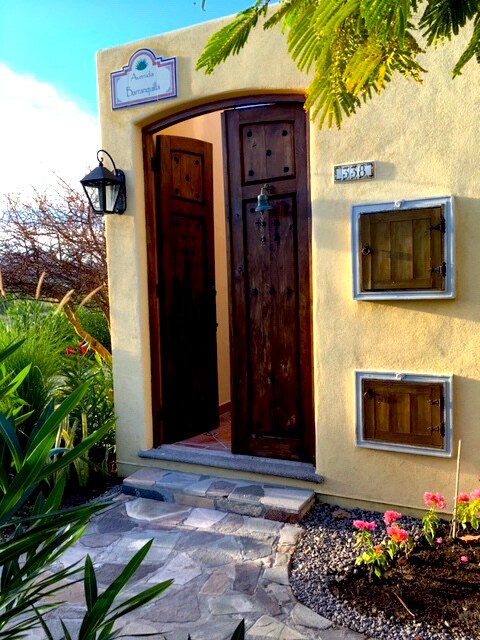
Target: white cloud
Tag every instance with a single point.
(42, 133)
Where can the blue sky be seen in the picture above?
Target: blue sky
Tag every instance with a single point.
(48, 75)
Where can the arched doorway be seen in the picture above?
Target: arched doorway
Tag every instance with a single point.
(268, 270)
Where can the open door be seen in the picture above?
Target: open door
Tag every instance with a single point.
(186, 287)
(270, 282)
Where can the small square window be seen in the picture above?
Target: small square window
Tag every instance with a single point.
(404, 412)
(403, 249)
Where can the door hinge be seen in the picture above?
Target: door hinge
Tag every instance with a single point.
(441, 226)
(156, 164)
(442, 269)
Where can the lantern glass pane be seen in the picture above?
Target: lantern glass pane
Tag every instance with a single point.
(96, 195)
(111, 196)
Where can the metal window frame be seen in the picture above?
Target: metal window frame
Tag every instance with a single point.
(445, 380)
(447, 202)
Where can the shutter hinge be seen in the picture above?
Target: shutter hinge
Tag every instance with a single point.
(439, 402)
(442, 269)
(441, 226)
(440, 428)
(155, 164)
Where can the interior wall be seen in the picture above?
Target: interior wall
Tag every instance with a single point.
(209, 129)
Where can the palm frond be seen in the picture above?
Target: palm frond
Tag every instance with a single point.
(232, 38)
(473, 49)
(444, 18)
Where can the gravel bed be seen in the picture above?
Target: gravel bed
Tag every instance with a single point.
(325, 553)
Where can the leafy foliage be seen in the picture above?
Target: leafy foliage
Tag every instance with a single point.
(95, 410)
(34, 531)
(353, 47)
(44, 335)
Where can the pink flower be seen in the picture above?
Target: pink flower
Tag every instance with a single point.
(434, 500)
(391, 516)
(475, 494)
(464, 559)
(397, 534)
(439, 540)
(463, 497)
(362, 524)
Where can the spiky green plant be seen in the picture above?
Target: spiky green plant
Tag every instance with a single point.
(33, 474)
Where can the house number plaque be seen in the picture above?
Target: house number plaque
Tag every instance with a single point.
(350, 172)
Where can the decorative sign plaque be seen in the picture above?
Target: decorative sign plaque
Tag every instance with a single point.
(145, 78)
(357, 171)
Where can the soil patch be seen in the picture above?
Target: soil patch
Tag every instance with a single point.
(438, 586)
(435, 595)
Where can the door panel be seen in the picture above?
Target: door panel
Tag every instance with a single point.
(187, 290)
(270, 276)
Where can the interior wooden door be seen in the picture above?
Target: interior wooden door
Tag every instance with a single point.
(271, 351)
(185, 245)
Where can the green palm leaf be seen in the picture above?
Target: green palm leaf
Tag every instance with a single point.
(232, 38)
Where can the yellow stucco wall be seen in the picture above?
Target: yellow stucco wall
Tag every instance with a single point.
(425, 143)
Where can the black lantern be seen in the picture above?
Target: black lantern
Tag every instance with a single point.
(263, 203)
(105, 190)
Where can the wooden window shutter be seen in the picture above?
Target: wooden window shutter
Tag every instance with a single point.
(404, 412)
(402, 250)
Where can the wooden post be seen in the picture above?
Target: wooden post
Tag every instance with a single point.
(457, 479)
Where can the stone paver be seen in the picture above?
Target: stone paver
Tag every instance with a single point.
(225, 567)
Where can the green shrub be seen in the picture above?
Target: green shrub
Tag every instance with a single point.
(95, 323)
(33, 475)
(45, 337)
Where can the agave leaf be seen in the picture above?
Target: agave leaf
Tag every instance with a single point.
(75, 453)
(7, 351)
(66, 632)
(239, 633)
(74, 518)
(43, 624)
(37, 441)
(90, 584)
(142, 598)
(9, 435)
(95, 617)
(10, 387)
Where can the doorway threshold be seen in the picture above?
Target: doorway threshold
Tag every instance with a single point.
(227, 460)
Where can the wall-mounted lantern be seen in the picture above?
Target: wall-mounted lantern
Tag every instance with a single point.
(105, 190)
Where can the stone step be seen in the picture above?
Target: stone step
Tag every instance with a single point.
(261, 500)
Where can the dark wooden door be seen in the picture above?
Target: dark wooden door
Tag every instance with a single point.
(270, 282)
(184, 188)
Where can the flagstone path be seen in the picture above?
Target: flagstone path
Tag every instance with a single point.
(225, 566)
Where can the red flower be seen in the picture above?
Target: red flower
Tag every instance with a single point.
(397, 535)
(463, 497)
(391, 516)
(83, 349)
(362, 524)
(434, 500)
(70, 351)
